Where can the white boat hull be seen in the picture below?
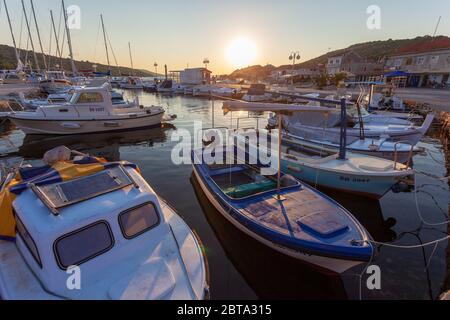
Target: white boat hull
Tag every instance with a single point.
(68, 127)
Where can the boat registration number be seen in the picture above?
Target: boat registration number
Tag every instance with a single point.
(93, 109)
(359, 180)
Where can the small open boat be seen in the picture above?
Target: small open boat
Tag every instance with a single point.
(284, 214)
(357, 173)
(102, 218)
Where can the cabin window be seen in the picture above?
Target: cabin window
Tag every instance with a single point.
(139, 220)
(90, 97)
(83, 245)
(28, 240)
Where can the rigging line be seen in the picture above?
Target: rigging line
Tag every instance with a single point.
(406, 247)
(113, 53)
(435, 201)
(419, 212)
(96, 41)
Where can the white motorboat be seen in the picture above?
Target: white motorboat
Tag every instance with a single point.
(89, 110)
(326, 124)
(132, 83)
(55, 82)
(97, 231)
(226, 92)
(380, 148)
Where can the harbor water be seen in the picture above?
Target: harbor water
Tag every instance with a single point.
(240, 267)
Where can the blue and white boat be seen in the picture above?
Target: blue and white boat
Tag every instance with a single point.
(284, 214)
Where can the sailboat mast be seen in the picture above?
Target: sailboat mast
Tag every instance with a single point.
(56, 34)
(19, 63)
(38, 34)
(69, 40)
(131, 58)
(36, 61)
(106, 43)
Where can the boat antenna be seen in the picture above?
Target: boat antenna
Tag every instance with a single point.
(131, 59)
(38, 34)
(69, 39)
(106, 44)
(19, 63)
(36, 61)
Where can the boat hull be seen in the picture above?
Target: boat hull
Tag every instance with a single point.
(69, 127)
(335, 265)
(374, 187)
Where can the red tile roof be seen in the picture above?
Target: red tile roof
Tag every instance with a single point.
(426, 46)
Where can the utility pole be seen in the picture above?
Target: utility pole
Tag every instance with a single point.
(38, 34)
(106, 44)
(36, 61)
(69, 40)
(19, 63)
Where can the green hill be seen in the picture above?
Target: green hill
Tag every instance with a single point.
(8, 61)
(371, 51)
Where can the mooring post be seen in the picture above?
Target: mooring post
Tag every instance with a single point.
(343, 138)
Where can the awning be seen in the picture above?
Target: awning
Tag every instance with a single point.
(395, 74)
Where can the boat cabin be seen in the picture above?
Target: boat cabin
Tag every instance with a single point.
(109, 224)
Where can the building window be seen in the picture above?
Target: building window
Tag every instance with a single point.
(420, 61)
(83, 245)
(448, 59)
(398, 62)
(434, 60)
(409, 61)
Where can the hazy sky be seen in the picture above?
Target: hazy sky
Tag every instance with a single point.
(182, 32)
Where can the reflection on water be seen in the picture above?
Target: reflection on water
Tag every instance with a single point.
(241, 268)
(106, 145)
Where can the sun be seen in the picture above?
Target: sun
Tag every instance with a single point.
(241, 52)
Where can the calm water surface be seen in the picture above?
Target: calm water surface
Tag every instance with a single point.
(240, 267)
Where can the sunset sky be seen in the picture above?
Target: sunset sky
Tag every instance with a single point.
(230, 33)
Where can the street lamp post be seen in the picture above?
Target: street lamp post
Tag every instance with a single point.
(156, 69)
(206, 62)
(294, 57)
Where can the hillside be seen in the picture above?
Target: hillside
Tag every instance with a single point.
(256, 72)
(371, 51)
(8, 61)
